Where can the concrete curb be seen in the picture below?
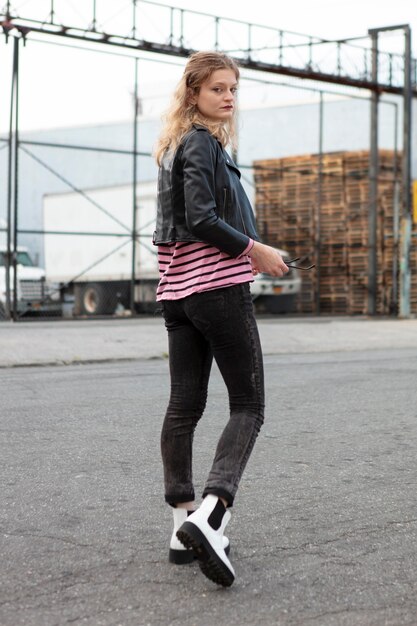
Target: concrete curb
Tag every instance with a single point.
(98, 341)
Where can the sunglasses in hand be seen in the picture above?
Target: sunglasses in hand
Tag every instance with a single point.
(290, 262)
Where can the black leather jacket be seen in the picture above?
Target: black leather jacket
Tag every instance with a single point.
(201, 198)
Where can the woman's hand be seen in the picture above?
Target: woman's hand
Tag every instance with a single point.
(267, 259)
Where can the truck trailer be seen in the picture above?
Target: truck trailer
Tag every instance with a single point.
(91, 254)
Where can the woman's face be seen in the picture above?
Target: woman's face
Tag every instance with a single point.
(216, 98)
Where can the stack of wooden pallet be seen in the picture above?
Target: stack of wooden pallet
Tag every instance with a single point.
(323, 218)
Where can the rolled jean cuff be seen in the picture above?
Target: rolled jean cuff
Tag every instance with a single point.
(174, 500)
(220, 493)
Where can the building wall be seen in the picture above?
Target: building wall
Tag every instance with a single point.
(263, 133)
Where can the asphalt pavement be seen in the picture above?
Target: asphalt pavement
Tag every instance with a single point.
(324, 528)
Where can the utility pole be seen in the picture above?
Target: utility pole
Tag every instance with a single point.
(406, 217)
(373, 184)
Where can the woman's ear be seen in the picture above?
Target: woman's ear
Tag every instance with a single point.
(191, 96)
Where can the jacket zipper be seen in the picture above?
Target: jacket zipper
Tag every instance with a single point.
(241, 217)
(239, 208)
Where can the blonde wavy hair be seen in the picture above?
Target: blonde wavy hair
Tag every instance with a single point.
(182, 113)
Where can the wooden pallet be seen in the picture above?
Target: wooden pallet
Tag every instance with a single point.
(289, 216)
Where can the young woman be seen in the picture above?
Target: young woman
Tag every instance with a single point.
(208, 252)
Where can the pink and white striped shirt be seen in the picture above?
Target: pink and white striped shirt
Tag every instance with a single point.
(187, 268)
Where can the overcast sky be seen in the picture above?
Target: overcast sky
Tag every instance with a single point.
(65, 87)
(330, 19)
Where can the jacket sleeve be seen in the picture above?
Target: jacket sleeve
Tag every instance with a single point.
(199, 168)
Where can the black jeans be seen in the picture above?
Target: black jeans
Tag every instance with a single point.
(217, 323)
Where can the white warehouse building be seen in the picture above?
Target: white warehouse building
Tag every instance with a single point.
(270, 132)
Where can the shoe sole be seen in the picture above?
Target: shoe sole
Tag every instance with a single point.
(181, 557)
(210, 563)
(185, 557)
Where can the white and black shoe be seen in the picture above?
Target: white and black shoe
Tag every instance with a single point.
(178, 553)
(203, 533)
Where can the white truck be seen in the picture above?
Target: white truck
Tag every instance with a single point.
(88, 252)
(33, 293)
(88, 248)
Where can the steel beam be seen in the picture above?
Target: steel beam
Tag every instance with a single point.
(406, 220)
(134, 197)
(307, 69)
(373, 186)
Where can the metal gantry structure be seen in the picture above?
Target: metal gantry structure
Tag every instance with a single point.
(151, 27)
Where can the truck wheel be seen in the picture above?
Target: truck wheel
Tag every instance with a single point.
(96, 299)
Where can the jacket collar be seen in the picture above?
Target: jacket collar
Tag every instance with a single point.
(230, 162)
(227, 158)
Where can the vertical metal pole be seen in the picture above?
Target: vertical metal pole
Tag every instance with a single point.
(134, 197)
(16, 173)
(216, 33)
(235, 150)
(281, 53)
(134, 20)
(11, 146)
(181, 28)
(396, 219)
(310, 53)
(249, 41)
(171, 26)
(319, 198)
(390, 69)
(94, 22)
(339, 61)
(405, 274)
(373, 185)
